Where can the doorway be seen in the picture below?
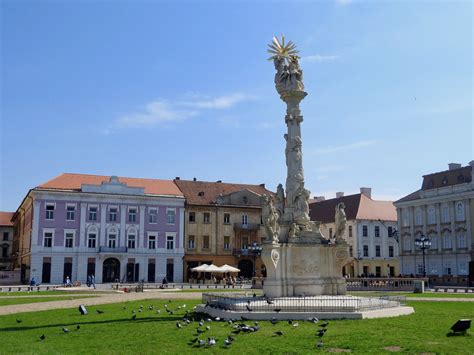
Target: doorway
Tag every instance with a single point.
(246, 268)
(111, 270)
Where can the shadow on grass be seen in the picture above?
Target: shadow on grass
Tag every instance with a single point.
(110, 321)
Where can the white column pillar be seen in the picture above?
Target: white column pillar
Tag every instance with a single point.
(453, 226)
(82, 225)
(35, 228)
(467, 217)
(141, 232)
(102, 240)
(122, 242)
(437, 208)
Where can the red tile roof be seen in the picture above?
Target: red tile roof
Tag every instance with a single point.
(73, 182)
(358, 206)
(206, 193)
(5, 219)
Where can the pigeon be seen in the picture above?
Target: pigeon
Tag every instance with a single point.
(19, 320)
(254, 295)
(324, 325)
(208, 327)
(290, 322)
(321, 332)
(178, 325)
(65, 330)
(248, 302)
(42, 337)
(133, 311)
(295, 325)
(124, 308)
(256, 323)
(248, 308)
(151, 308)
(78, 327)
(99, 311)
(211, 341)
(314, 320)
(166, 306)
(278, 333)
(274, 321)
(319, 344)
(202, 342)
(229, 321)
(269, 301)
(277, 310)
(227, 342)
(141, 306)
(199, 330)
(158, 311)
(169, 301)
(134, 317)
(194, 341)
(201, 323)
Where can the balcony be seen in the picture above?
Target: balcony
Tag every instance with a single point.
(246, 252)
(113, 250)
(248, 226)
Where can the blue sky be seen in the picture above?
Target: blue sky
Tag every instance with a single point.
(163, 89)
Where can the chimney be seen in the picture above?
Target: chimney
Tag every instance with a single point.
(453, 166)
(176, 178)
(219, 181)
(194, 179)
(262, 185)
(339, 194)
(367, 191)
(319, 198)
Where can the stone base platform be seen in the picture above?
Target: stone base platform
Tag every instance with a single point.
(302, 308)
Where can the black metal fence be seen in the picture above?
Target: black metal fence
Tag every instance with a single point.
(245, 303)
(383, 284)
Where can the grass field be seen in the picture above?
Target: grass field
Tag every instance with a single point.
(25, 300)
(52, 292)
(114, 331)
(412, 295)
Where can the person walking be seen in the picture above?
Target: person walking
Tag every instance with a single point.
(93, 281)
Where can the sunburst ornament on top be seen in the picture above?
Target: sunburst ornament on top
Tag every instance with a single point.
(280, 49)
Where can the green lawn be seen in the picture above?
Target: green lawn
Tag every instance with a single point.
(52, 292)
(115, 332)
(411, 294)
(25, 300)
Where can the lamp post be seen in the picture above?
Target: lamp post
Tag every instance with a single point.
(256, 250)
(423, 243)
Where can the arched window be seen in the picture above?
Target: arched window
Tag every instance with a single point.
(92, 237)
(112, 237)
(460, 211)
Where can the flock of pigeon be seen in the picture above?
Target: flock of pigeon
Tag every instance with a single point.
(202, 337)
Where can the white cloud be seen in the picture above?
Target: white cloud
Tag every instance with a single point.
(318, 58)
(154, 113)
(163, 111)
(345, 147)
(220, 102)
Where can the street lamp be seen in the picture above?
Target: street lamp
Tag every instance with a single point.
(423, 243)
(256, 250)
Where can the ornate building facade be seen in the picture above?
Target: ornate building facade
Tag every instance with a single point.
(443, 211)
(6, 241)
(115, 228)
(223, 225)
(369, 232)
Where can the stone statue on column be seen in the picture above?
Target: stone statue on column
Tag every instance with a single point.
(340, 221)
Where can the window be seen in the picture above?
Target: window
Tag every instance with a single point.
(330, 233)
(70, 212)
(462, 241)
(433, 270)
(460, 211)
(91, 240)
(152, 215)
(434, 242)
(191, 242)
(152, 242)
(377, 231)
(245, 219)
(445, 214)
(390, 251)
(447, 241)
(48, 240)
(113, 214)
(447, 268)
(69, 240)
(406, 243)
(366, 250)
(169, 242)
(205, 242)
(226, 242)
(170, 215)
(390, 231)
(418, 219)
(226, 218)
(5, 251)
(377, 251)
(431, 215)
(462, 268)
(192, 217)
(112, 240)
(244, 241)
(49, 212)
(420, 269)
(351, 251)
(350, 231)
(207, 217)
(132, 215)
(92, 213)
(5, 236)
(131, 240)
(406, 218)
(365, 231)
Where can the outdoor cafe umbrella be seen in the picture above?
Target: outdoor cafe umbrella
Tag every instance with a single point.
(200, 268)
(228, 268)
(214, 268)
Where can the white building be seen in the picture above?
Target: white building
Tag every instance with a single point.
(369, 233)
(442, 210)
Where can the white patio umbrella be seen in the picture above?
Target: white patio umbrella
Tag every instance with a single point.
(200, 268)
(228, 268)
(214, 268)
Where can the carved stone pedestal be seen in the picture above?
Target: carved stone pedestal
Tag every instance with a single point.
(309, 269)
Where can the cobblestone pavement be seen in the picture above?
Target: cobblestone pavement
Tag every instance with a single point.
(102, 298)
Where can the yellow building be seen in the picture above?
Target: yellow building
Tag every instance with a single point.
(223, 225)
